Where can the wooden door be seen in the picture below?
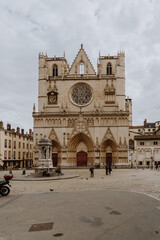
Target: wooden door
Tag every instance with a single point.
(109, 159)
(81, 159)
(55, 159)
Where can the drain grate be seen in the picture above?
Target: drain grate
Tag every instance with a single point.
(41, 227)
(58, 235)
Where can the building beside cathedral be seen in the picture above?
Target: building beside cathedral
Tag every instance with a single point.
(84, 114)
(16, 147)
(144, 144)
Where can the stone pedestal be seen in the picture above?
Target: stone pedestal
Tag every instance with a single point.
(44, 162)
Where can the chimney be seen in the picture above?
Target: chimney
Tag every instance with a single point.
(30, 131)
(8, 126)
(18, 130)
(22, 131)
(1, 124)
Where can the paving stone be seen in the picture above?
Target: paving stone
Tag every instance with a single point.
(144, 181)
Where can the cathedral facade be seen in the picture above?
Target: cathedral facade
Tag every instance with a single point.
(84, 114)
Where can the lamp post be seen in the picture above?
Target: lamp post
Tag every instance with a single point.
(136, 164)
(131, 159)
(151, 163)
(25, 159)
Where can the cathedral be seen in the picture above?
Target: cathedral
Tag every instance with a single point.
(84, 114)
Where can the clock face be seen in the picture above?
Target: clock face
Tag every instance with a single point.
(81, 94)
(52, 98)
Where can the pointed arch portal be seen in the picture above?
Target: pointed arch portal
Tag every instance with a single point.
(108, 152)
(85, 155)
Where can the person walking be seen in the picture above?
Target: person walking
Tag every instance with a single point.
(91, 170)
(156, 165)
(110, 169)
(106, 169)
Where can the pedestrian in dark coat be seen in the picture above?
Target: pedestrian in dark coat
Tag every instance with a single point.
(110, 169)
(106, 170)
(156, 165)
(92, 171)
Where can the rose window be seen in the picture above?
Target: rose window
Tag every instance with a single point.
(81, 95)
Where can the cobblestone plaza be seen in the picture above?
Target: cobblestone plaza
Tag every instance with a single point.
(143, 181)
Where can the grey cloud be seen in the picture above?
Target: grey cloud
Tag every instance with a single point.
(31, 26)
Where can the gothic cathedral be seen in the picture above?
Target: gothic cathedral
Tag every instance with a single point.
(84, 114)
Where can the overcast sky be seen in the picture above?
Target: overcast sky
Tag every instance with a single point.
(55, 26)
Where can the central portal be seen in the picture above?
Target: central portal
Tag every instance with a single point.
(81, 159)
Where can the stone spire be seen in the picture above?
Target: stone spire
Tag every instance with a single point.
(34, 108)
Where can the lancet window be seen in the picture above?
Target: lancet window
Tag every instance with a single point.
(81, 68)
(109, 69)
(55, 70)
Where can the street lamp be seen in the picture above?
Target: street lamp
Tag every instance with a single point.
(25, 159)
(152, 163)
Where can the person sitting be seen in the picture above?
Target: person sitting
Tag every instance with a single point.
(46, 174)
(58, 170)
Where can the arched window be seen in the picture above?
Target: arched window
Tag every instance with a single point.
(81, 68)
(109, 69)
(55, 70)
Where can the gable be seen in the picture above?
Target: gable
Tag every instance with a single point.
(80, 126)
(82, 64)
(108, 136)
(53, 136)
